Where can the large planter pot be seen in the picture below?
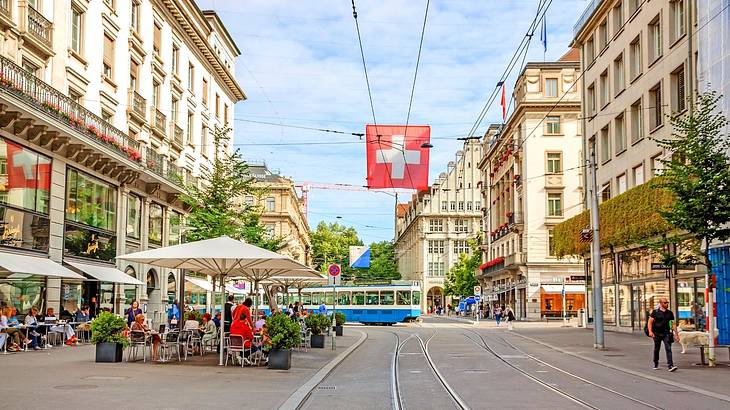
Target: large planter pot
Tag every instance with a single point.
(109, 352)
(280, 359)
(338, 330)
(318, 341)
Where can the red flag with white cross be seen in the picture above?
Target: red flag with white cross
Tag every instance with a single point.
(396, 158)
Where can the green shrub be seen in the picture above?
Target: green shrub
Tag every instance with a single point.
(108, 328)
(317, 323)
(284, 332)
(339, 318)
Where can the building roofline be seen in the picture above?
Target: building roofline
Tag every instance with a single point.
(224, 31)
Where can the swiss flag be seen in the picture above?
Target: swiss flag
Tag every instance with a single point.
(395, 156)
(26, 169)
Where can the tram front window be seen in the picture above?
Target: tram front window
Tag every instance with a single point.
(358, 298)
(343, 298)
(371, 297)
(416, 297)
(386, 297)
(403, 298)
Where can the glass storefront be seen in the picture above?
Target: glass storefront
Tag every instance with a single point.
(71, 296)
(644, 298)
(609, 305)
(90, 217)
(155, 224)
(624, 305)
(691, 303)
(151, 282)
(130, 291)
(22, 294)
(171, 289)
(106, 295)
(25, 230)
(134, 216)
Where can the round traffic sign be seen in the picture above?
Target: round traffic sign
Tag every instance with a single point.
(334, 270)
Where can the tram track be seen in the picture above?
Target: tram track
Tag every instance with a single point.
(482, 343)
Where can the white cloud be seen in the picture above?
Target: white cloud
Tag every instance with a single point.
(306, 58)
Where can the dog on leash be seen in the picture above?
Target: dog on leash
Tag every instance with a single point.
(693, 338)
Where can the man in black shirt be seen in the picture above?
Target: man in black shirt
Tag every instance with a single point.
(663, 329)
(227, 314)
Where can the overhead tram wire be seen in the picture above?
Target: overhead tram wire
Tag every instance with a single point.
(583, 72)
(367, 82)
(413, 89)
(542, 8)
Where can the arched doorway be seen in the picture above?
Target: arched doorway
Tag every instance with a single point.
(152, 289)
(171, 288)
(435, 297)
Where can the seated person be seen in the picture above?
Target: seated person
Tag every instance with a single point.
(241, 327)
(65, 315)
(261, 322)
(208, 328)
(140, 329)
(31, 321)
(191, 323)
(82, 316)
(217, 319)
(9, 326)
(67, 331)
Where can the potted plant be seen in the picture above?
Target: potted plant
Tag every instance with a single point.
(284, 334)
(107, 334)
(317, 324)
(339, 321)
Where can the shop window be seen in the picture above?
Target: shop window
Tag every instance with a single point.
(27, 177)
(134, 216)
(130, 291)
(151, 282)
(176, 224)
(90, 201)
(609, 306)
(171, 288)
(25, 230)
(22, 294)
(155, 224)
(84, 241)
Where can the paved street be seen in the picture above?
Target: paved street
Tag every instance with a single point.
(536, 365)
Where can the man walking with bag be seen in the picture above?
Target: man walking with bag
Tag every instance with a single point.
(662, 327)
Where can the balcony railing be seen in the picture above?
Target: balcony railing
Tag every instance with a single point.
(517, 258)
(155, 162)
(159, 120)
(137, 104)
(40, 27)
(5, 8)
(31, 90)
(177, 136)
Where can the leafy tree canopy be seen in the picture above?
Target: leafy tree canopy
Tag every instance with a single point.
(216, 208)
(460, 280)
(382, 263)
(331, 244)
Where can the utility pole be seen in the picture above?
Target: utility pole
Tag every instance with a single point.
(596, 257)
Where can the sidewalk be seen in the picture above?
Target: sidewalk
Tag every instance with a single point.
(68, 378)
(631, 352)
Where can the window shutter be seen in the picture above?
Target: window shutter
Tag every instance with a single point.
(680, 91)
(157, 37)
(109, 51)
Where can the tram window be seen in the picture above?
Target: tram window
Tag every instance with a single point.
(203, 299)
(403, 298)
(358, 298)
(343, 298)
(328, 298)
(416, 297)
(306, 298)
(316, 298)
(371, 297)
(386, 297)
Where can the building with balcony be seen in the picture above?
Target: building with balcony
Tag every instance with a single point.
(282, 213)
(639, 68)
(532, 178)
(434, 228)
(105, 111)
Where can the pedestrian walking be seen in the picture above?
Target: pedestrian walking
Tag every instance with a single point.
(662, 328)
(510, 315)
(497, 314)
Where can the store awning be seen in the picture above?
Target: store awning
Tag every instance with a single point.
(21, 265)
(205, 285)
(200, 282)
(105, 273)
(559, 288)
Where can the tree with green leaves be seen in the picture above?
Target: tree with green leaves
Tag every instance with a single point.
(698, 175)
(331, 244)
(382, 263)
(460, 280)
(216, 208)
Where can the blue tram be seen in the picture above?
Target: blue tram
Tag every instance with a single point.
(369, 304)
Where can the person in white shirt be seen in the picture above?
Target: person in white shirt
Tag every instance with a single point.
(191, 323)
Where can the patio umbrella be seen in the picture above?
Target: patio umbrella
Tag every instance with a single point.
(217, 257)
(261, 276)
(292, 278)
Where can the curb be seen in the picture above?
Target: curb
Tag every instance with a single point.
(631, 372)
(300, 395)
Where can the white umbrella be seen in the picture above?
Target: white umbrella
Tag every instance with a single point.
(218, 257)
(296, 278)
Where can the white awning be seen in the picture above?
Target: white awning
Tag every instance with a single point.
(202, 283)
(105, 273)
(20, 265)
(559, 288)
(236, 291)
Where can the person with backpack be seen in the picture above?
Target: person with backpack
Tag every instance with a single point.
(662, 328)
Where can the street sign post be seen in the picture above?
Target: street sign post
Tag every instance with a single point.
(477, 290)
(333, 275)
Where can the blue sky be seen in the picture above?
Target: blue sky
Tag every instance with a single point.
(301, 66)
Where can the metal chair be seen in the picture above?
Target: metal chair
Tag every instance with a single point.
(194, 341)
(211, 343)
(168, 343)
(234, 349)
(137, 339)
(182, 341)
(304, 338)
